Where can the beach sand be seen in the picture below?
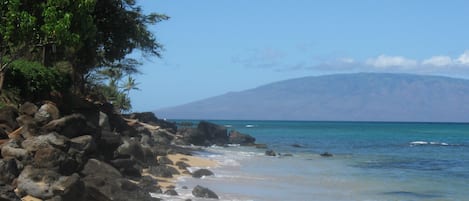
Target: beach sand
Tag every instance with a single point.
(193, 161)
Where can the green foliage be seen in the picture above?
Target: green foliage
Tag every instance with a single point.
(34, 81)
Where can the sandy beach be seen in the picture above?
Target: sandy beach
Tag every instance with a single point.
(195, 162)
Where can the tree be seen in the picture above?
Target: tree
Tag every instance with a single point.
(80, 35)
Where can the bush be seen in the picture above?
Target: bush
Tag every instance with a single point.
(34, 81)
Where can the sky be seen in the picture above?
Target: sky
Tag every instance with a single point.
(212, 47)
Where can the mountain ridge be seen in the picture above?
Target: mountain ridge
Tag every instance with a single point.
(339, 97)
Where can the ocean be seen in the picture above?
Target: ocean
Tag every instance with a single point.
(371, 161)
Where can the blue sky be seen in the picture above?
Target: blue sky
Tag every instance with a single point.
(216, 46)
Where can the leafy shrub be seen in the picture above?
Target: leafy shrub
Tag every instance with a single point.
(34, 81)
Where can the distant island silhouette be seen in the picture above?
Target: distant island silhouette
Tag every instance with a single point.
(339, 97)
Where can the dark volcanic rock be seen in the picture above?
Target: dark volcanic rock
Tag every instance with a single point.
(182, 165)
(7, 193)
(13, 150)
(270, 153)
(28, 109)
(8, 171)
(165, 161)
(205, 134)
(8, 117)
(240, 138)
(149, 184)
(45, 184)
(171, 192)
(203, 192)
(127, 166)
(150, 118)
(201, 172)
(47, 113)
(163, 171)
(326, 154)
(69, 126)
(42, 141)
(132, 148)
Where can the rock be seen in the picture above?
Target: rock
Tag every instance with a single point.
(45, 184)
(49, 140)
(132, 148)
(47, 113)
(104, 188)
(150, 118)
(8, 115)
(326, 154)
(165, 161)
(182, 165)
(171, 192)
(240, 138)
(217, 134)
(84, 144)
(203, 192)
(201, 172)
(49, 157)
(104, 122)
(30, 126)
(69, 126)
(149, 184)
(163, 171)
(13, 150)
(161, 136)
(261, 146)
(127, 166)
(270, 153)
(28, 109)
(108, 143)
(7, 193)
(205, 134)
(96, 167)
(8, 171)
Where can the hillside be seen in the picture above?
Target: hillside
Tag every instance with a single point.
(340, 97)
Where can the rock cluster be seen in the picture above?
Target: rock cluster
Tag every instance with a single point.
(92, 153)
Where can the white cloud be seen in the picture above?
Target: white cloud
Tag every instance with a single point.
(464, 58)
(438, 61)
(384, 61)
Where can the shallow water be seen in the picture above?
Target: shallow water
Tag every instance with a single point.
(372, 161)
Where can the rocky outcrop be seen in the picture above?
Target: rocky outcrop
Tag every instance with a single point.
(241, 139)
(205, 134)
(91, 153)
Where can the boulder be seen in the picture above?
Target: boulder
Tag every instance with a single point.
(49, 157)
(96, 167)
(326, 154)
(8, 115)
(270, 153)
(69, 126)
(28, 109)
(7, 193)
(216, 134)
(13, 150)
(203, 192)
(150, 118)
(108, 143)
(182, 165)
(45, 184)
(49, 140)
(163, 171)
(46, 113)
(30, 126)
(8, 171)
(132, 148)
(205, 134)
(104, 122)
(149, 184)
(127, 166)
(84, 144)
(201, 172)
(240, 138)
(171, 192)
(102, 188)
(165, 161)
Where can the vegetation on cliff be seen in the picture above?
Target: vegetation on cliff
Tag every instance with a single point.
(82, 46)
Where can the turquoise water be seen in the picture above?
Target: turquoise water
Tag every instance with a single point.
(372, 161)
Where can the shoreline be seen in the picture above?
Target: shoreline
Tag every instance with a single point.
(196, 162)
